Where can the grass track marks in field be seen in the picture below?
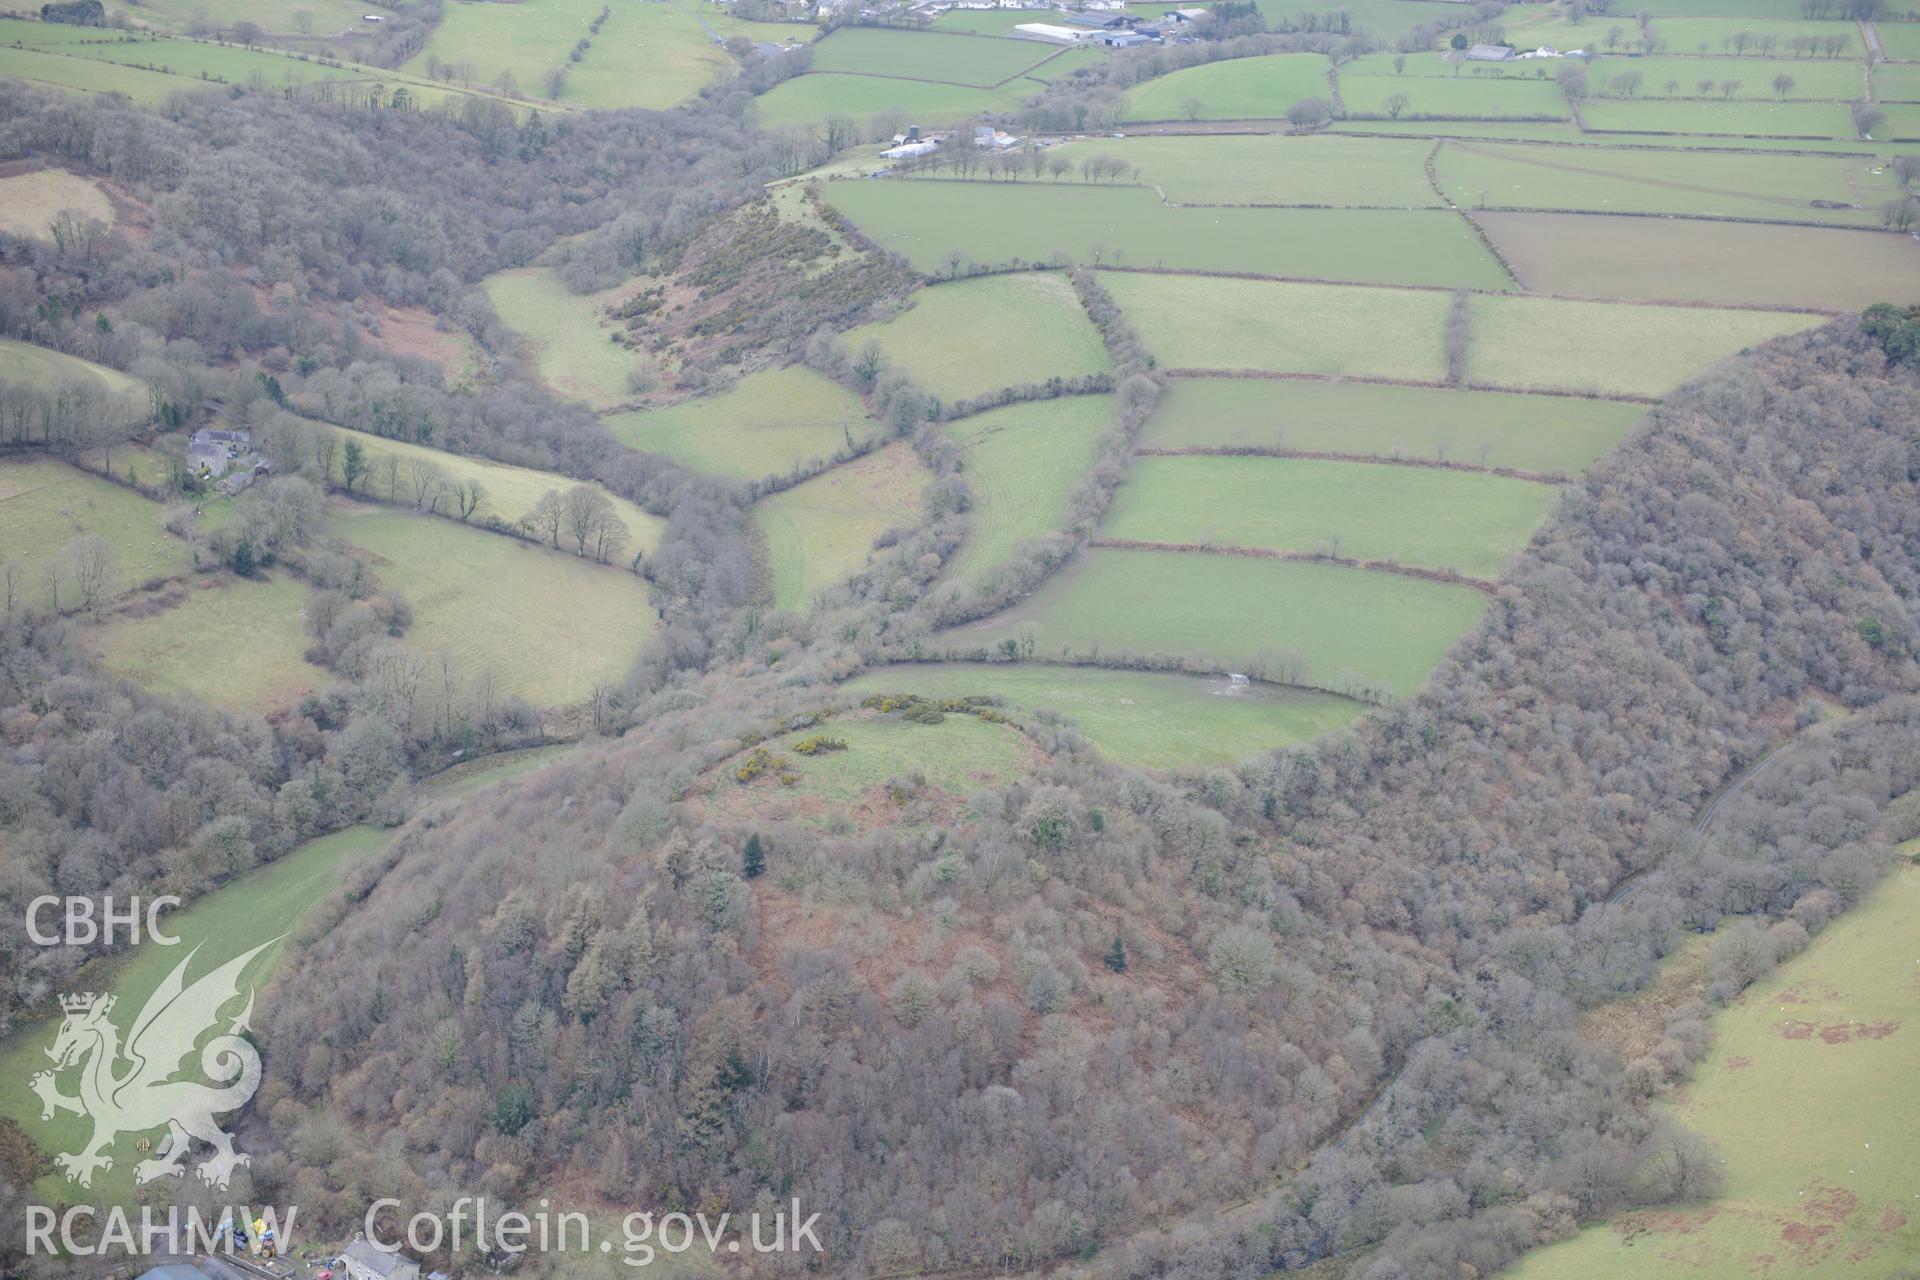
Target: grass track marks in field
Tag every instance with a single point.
(1417, 517)
(1388, 629)
(1158, 720)
(1529, 433)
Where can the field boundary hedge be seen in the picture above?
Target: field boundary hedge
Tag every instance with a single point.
(1449, 576)
(1431, 384)
(1555, 478)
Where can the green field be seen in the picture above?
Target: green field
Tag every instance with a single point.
(29, 201)
(1698, 184)
(651, 55)
(1806, 1092)
(1530, 433)
(545, 623)
(1821, 79)
(45, 504)
(1472, 97)
(974, 336)
(1697, 36)
(1390, 629)
(809, 99)
(1240, 89)
(978, 61)
(956, 756)
(1428, 517)
(147, 68)
(1191, 322)
(566, 333)
(820, 532)
(1617, 348)
(1900, 40)
(1730, 119)
(511, 492)
(994, 223)
(1896, 81)
(1672, 260)
(1153, 719)
(236, 643)
(992, 22)
(1274, 168)
(278, 16)
(257, 909)
(24, 365)
(1021, 463)
(766, 425)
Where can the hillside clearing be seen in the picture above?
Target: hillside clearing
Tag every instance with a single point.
(820, 532)
(1021, 463)
(767, 424)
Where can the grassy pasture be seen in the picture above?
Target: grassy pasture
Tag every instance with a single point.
(811, 98)
(567, 334)
(1153, 719)
(1725, 8)
(44, 504)
(955, 757)
(29, 201)
(974, 336)
(148, 68)
(255, 909)
(24, 365)
(511, 491)
(279, 16)
(1066, 63)
(820, 532)
(645, 55)
(1389, 628)
(1695, 184)
(1726, 119)
(1561, 131)
(1674, 260)
(1437, 519)
(1271, 168)
(1477, 97)
(1896, 82)
(1806, 1094)
(1900, 40)
(765, 425)
(547, 624)
(1902, 125)
(1710, 37)
(1021, 463)
(1531, 433)
(236, 643)
(1032, 221)
(1240, 89)
(992, 22)
(979, 61)
(1195, 322)
(1547, 343)
(1819, 79)
(1437, 65)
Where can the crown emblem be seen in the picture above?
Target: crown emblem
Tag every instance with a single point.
(80, 1002)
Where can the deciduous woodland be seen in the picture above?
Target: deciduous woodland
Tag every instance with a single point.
(346, 443)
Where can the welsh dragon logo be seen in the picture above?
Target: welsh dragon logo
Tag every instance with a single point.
(131, 1089)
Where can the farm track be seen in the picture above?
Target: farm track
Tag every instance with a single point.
(1633, 880)
(1303, 557)
(1662, 184)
